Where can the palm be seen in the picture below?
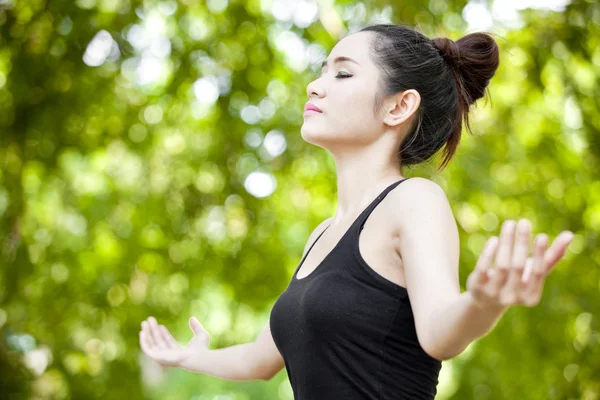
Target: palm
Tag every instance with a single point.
(168, 357)
(160, 345)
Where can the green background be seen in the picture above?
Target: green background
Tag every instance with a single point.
(151, 164)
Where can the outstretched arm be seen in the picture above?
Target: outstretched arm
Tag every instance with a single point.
(516, 279)
(258, 360)
(446, 320)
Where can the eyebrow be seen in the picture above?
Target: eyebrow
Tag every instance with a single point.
(339, 59)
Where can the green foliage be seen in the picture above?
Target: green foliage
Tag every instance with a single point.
(137, 181)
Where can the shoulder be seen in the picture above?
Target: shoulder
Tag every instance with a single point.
(315, 233)
(422, 185)
(417, 200)
(416, 190)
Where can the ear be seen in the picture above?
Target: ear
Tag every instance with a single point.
(401, 107)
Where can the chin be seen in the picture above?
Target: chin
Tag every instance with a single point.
(319, 139)
(309, 135)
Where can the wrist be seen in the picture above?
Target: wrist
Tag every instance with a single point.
(489, 307)
(194, 362)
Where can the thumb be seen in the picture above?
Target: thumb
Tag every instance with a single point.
(196, 326)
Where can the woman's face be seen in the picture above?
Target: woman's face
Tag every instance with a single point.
(345, 92)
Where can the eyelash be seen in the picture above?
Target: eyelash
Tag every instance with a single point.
(338, 76)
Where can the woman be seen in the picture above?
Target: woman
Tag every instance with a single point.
(375, 305)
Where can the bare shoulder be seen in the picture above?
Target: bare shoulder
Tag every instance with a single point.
(315, 233)
(421, 184)
(417, 198)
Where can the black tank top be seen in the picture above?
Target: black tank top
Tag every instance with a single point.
(346, 332)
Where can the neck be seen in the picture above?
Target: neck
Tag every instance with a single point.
(361, 176)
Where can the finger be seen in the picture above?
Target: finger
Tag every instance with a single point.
(533, 293)
(497, 280)
(539, 252)
(484, 261)
(148, 334)
(503, 258)
(533, 297)
(512, 287)
(482, 268)
(521, 246)
(538, 271)
(557, 250)
(527, 271)
(144, 344)
(156, 335)
(481, 277)
(512, 292)
(168, 338)
(507, 238)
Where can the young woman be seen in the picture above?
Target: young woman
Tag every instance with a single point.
(375, 305)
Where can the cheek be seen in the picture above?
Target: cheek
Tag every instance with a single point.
(349, 114)
(351, 98)
(358, 109)
(362, 97)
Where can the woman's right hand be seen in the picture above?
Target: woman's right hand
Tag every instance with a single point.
(158, 343)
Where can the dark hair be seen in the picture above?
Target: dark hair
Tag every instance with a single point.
(449, 76)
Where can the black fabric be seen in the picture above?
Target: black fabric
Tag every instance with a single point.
(346, 332)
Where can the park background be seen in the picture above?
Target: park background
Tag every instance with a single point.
(151, 164)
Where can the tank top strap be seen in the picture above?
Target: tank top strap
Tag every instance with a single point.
(362, 218)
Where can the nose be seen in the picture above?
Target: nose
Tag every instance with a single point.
(314, 88)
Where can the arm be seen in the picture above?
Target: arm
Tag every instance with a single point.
(516, 279)
(446, 320)
(258, 360)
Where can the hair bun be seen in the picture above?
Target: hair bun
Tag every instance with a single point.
(475, 58)
(448, 49)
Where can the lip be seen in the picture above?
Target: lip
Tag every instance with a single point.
(311, 112)
(311, 107)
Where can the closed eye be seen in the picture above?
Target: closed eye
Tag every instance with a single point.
(342, 75)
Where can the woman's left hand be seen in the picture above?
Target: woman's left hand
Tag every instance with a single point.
(516, 278)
